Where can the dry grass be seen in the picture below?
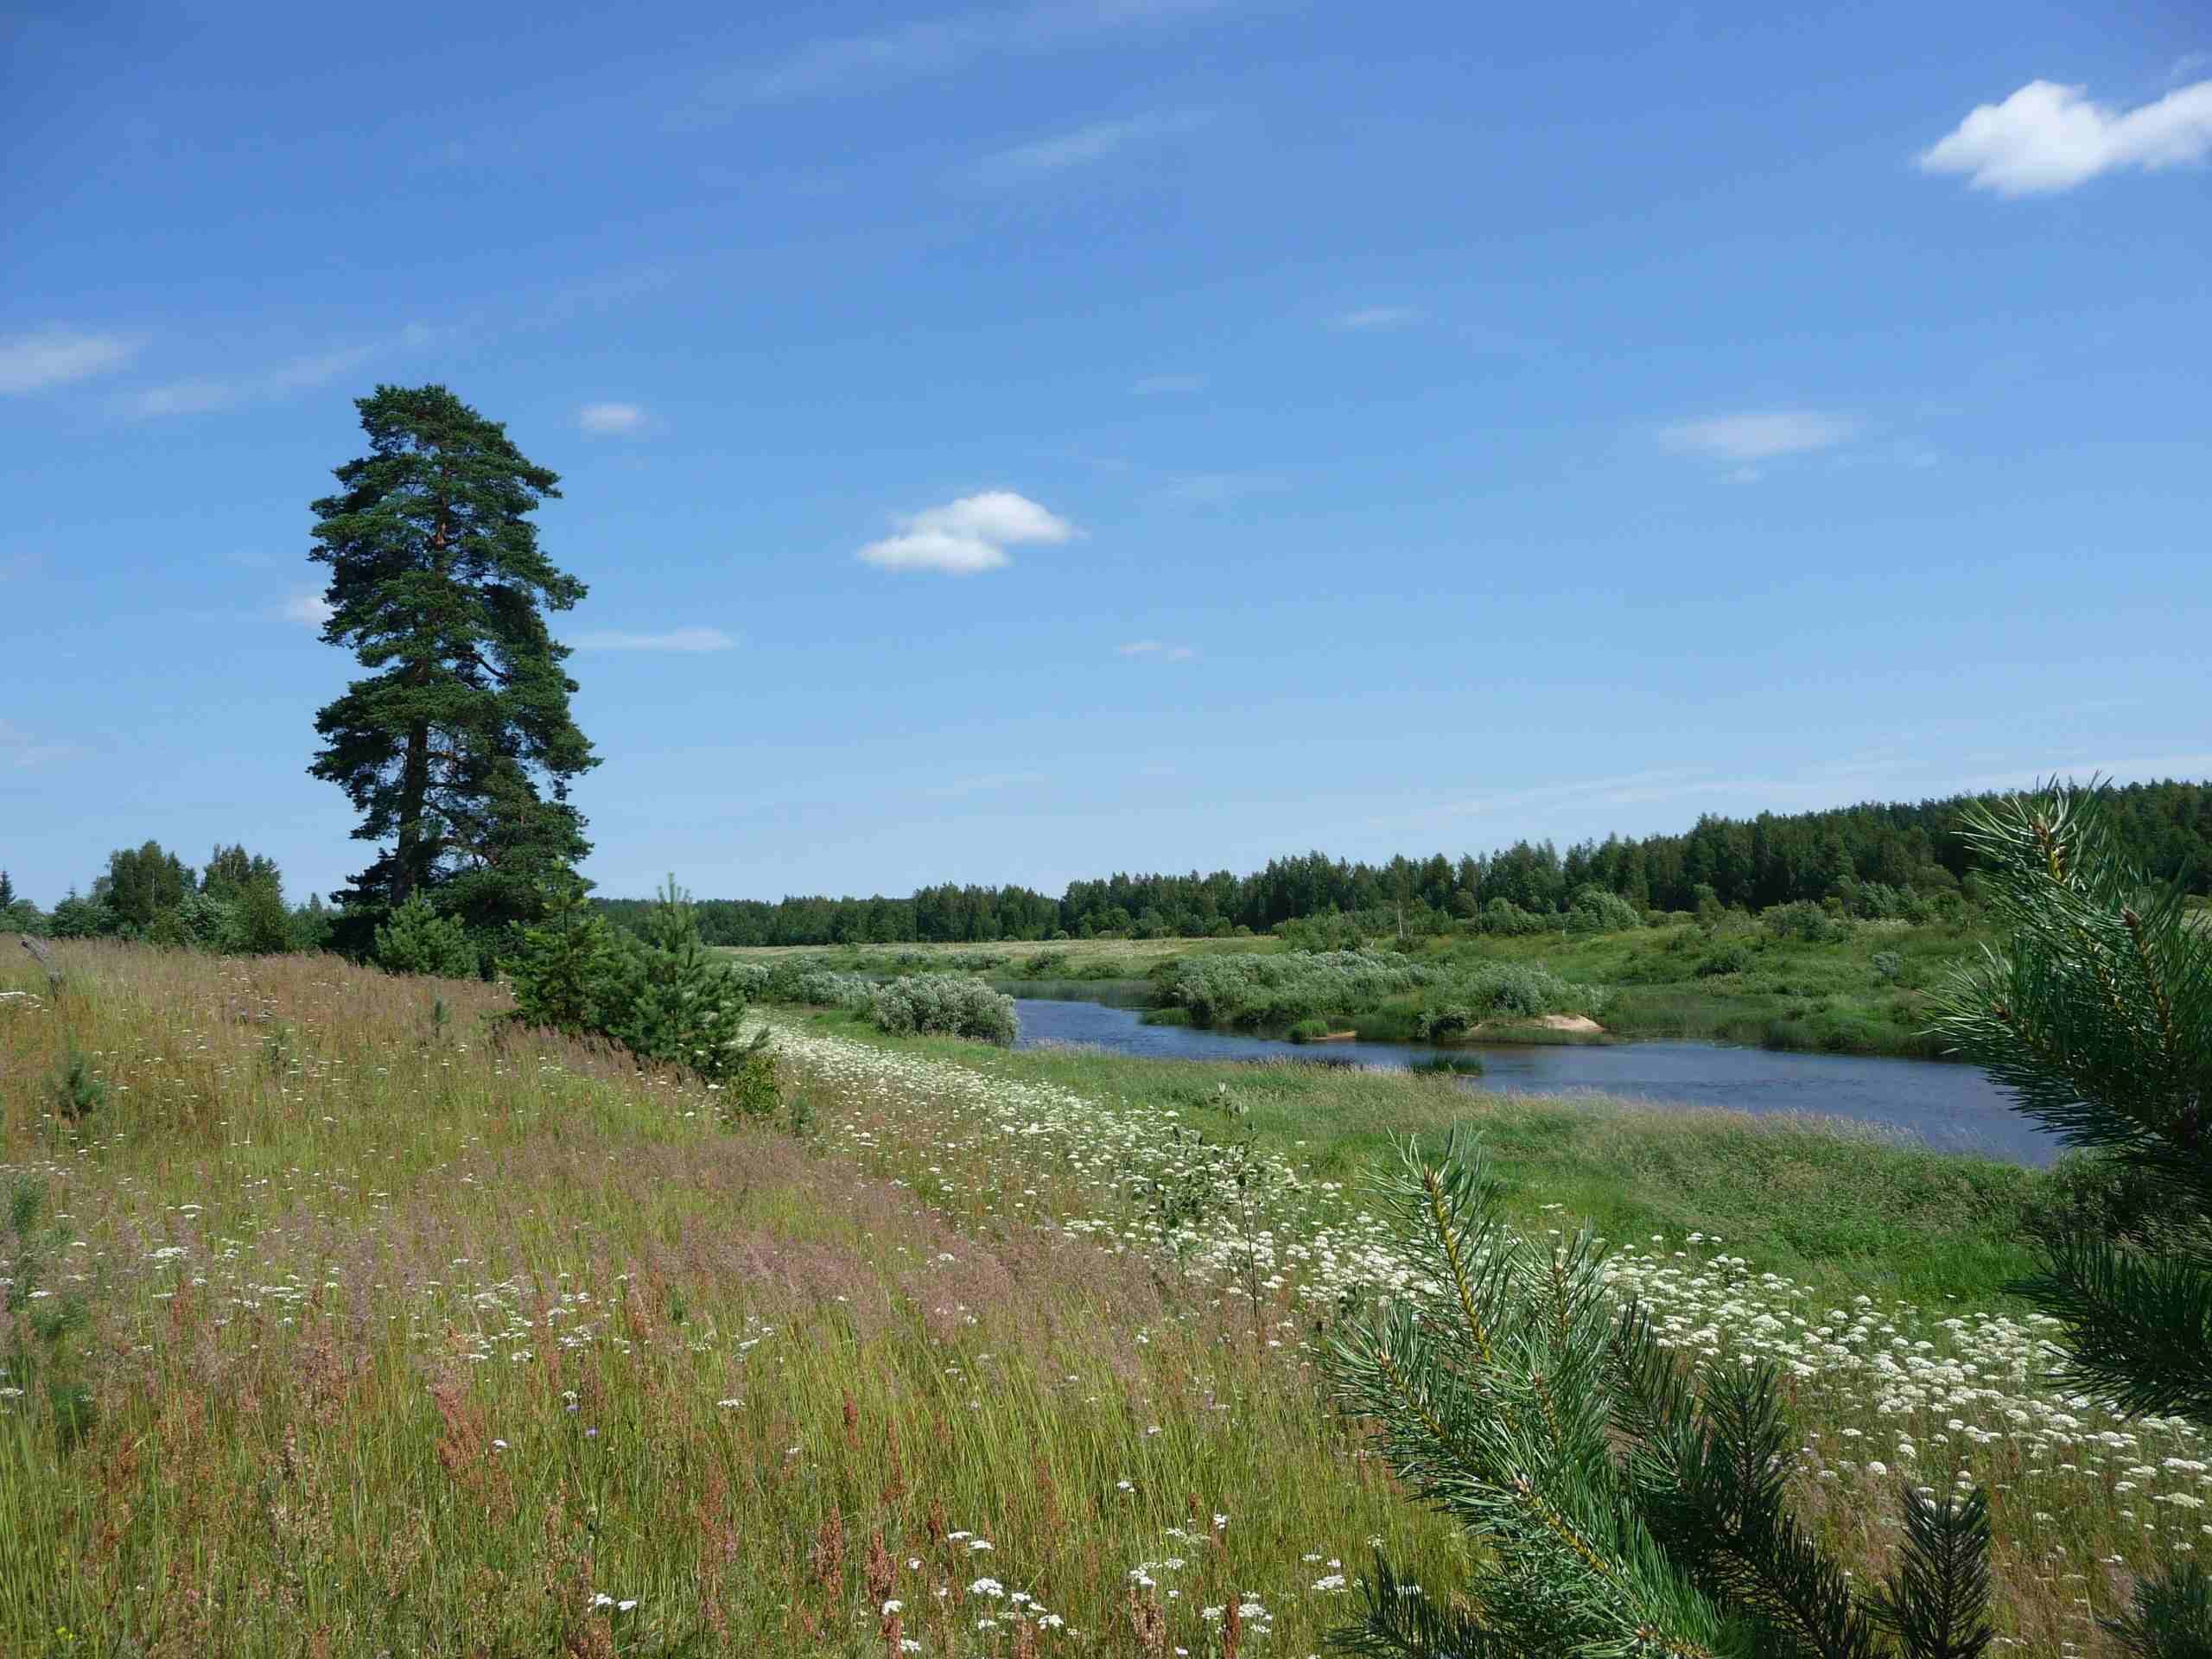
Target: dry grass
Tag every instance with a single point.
(436, 1338)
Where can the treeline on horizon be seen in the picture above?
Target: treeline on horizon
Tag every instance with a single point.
(1897, 858)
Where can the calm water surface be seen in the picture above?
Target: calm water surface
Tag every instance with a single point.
(1954, 1107)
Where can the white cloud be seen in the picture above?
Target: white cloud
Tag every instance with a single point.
(1095, 143)
(1759, 434)
(1157, 649)
(967, 536)
(679, 639)
(204, 396)
(310, 610)
(606, 420)
(2048, 137)
(937, 46)
(54, 357)
(1379, 316)
(1155, 385)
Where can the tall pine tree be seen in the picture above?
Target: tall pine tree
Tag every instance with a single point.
(458, 747)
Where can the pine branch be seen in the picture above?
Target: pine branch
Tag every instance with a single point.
(2138, 1327)
(2171, 1617)
(1706, 1474)
(1937, 1603)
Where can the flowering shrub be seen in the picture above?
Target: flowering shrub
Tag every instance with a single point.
(952, 1005)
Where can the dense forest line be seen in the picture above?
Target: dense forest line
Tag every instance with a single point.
(1899, 858)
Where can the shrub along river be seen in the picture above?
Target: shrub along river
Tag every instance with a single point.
(1951, 1107)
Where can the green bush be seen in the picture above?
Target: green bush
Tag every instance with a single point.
(951, 1004)
(1803, 920)
(416, 939)
(1725, 959)
(1888, 965)
(1596, 910)
(1308, 1030)
(1504, 917)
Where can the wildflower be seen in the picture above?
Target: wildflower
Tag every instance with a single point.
(990, 1587)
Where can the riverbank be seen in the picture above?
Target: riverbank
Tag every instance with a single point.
(1864, 987)
(1844, 1207)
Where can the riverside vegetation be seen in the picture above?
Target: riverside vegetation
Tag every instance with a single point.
(1794, 977)
(351, 1313)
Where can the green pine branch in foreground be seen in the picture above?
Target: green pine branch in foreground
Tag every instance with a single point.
(1628, 1504)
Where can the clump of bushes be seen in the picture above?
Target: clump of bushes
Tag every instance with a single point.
(1512, 990)
(660, 993)
(950, 1005)
(1507, 919)
(417, 939)
(1598, 910)
(1280, 990)
(1725, 959)
(826, 987)
(1804, 920)
(1285, 990)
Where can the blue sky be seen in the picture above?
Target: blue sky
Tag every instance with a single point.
(1021, 442)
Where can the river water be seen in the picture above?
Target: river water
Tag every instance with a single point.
(1952, 1108)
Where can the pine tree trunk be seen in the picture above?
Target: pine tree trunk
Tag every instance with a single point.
(414, 785)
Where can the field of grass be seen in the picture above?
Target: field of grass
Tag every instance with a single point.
(412, 1334)
(1738, 982)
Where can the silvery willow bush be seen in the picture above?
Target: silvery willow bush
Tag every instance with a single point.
(826, 987)
(1621, 1504)
(2096, 1015)
(951, 1004)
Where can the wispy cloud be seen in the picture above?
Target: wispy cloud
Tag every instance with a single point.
(933, 47)
(1162, 386)
(1043, 156)
(989, 783)
(211, 393)
(2047, 137)
(1759, 434)
(1157, 651)
(611, 420)
(1217, 489)
(1372, 318)
(56, 356)
(967, 536)
(310, 610)
(19, 749)
(677, 640)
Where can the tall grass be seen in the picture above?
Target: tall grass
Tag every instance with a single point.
(416, 1334)
(412, 1334)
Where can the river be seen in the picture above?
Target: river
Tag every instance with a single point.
(1952, 1108)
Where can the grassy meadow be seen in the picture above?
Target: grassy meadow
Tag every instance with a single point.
(410, 1332)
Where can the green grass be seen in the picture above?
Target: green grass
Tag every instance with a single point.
(1826, 1202)
(418, 1336)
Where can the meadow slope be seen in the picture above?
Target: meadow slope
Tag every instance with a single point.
(410, 1332)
